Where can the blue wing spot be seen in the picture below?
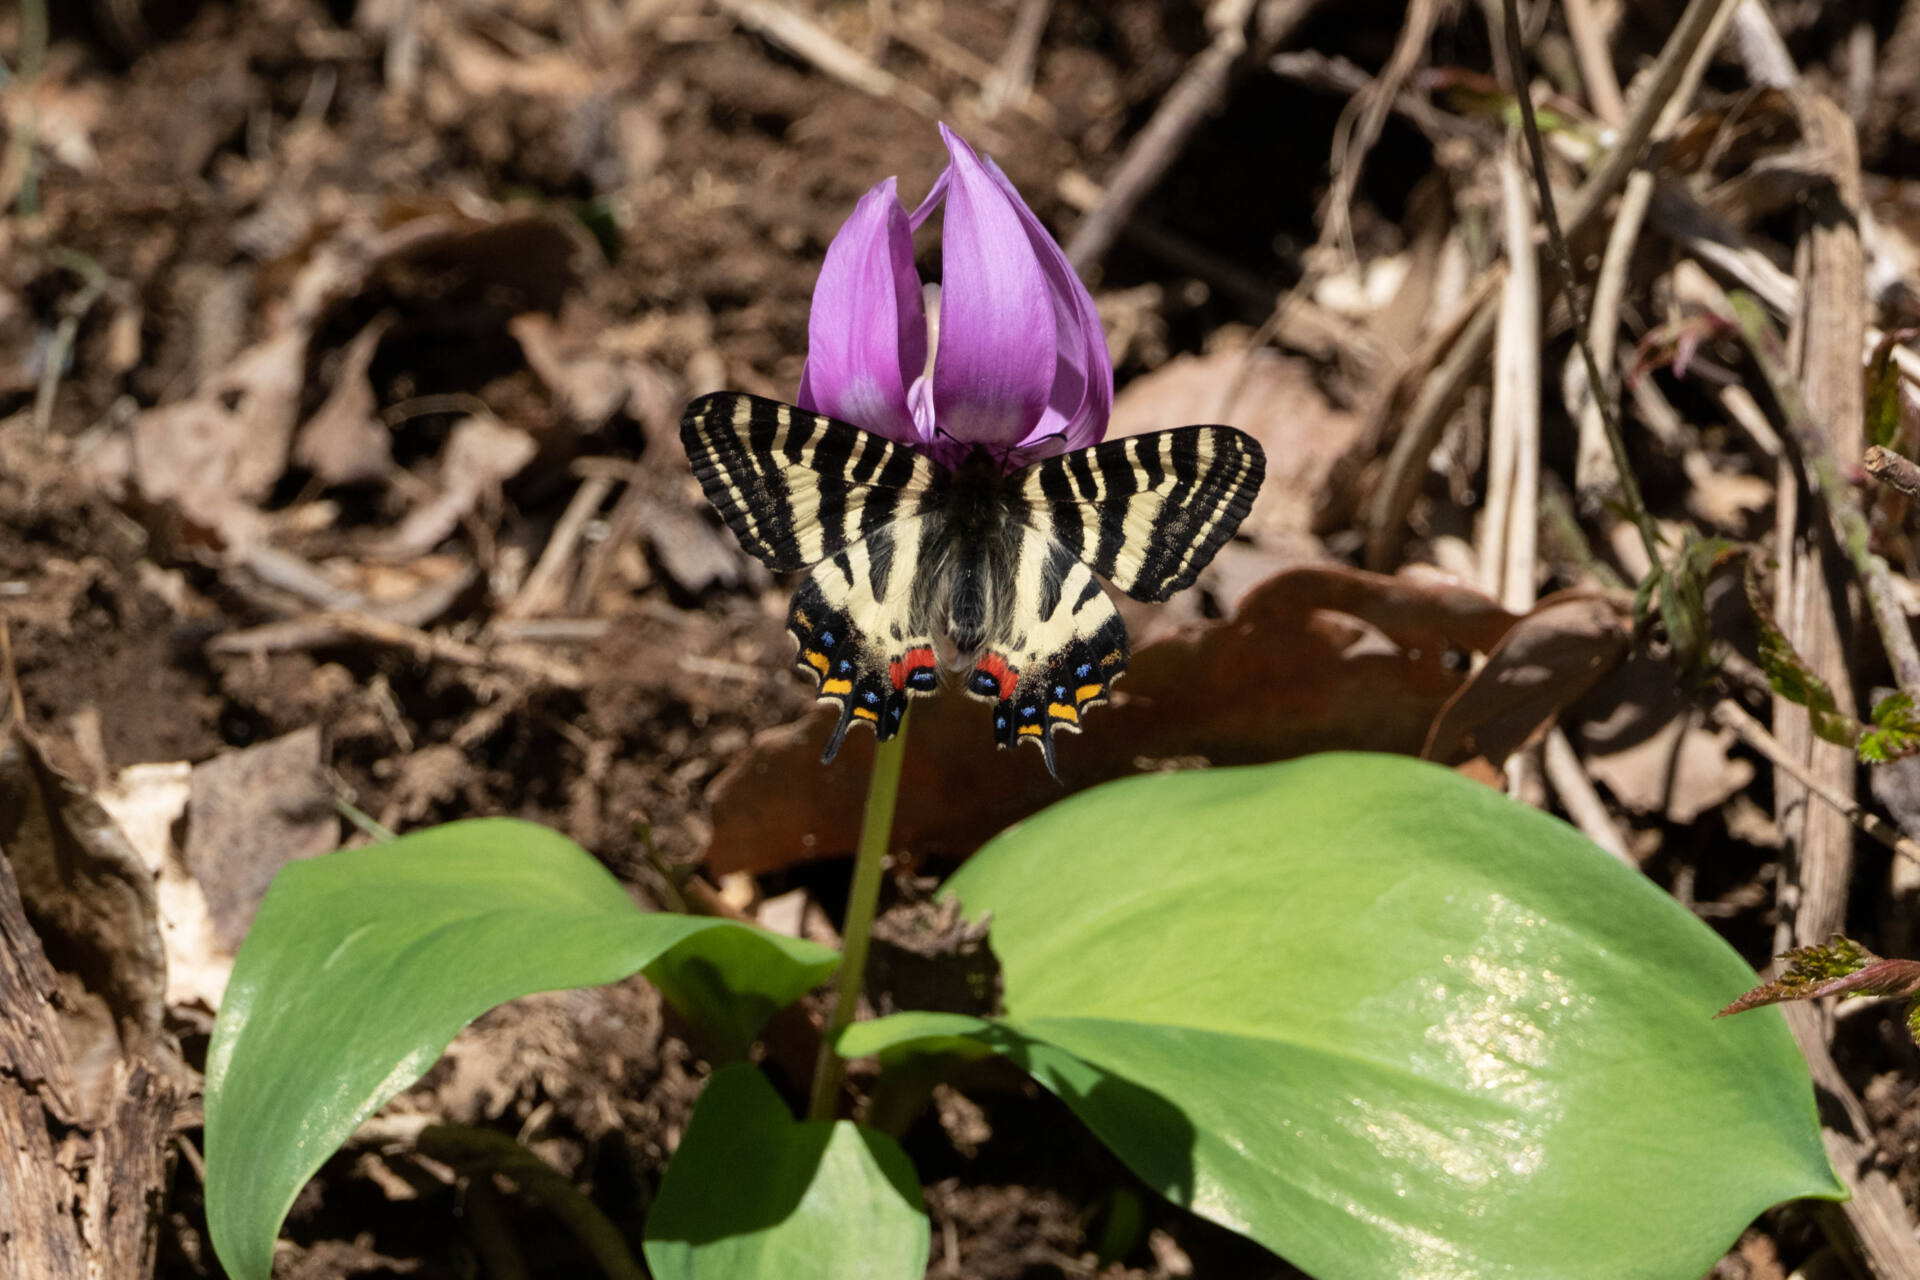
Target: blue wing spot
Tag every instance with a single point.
(999, 722)
(1029, 712)
(871, 696)
(826, 642)
(1084, 670)
(1059, 691)
(846, 665)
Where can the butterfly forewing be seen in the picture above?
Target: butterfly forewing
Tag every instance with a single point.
(796, 487)
(1149, 512)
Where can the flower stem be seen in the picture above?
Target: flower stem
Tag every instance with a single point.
(870, 860)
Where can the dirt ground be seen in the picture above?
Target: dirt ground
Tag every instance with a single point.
(342, 350)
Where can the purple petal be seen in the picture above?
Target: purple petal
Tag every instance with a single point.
(867, 332)
(1082, 398)
(993, 372)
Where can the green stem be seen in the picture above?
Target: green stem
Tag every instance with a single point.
(869, 862)
(480, 1153)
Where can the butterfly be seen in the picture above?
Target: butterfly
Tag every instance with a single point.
(905, 556)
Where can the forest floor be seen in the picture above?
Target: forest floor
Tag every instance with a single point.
(343, 345)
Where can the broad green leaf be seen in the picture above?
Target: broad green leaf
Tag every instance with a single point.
(753, 1193)
(1387, 1022)
(361, 966)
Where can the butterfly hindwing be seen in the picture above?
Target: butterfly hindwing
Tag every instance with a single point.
(797, 487)
(1059, 647)
(1149, 512)
(864, 633)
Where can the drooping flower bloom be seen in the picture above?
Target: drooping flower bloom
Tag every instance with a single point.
(1020, 367)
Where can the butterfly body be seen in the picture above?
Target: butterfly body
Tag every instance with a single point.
(911, 562)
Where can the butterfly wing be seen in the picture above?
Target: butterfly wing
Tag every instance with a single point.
(804, 491)
(1148, 513)
(1056, 649)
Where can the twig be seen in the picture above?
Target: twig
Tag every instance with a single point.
(535, 593)
(1583, 803)
(1511, 527)
(1732, 715)
(1596, 62)
(1200, 91)
(1673, 57)
(1012, 78)
(804, 38)
(1595, 468)
(1890, 468)
(482, 1153)
(1440, 395)
(1359, 125)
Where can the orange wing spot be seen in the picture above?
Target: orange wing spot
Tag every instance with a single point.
(1086, 691)
(1030, 730)
(861, 713)
(1061, 711)
(836, 688)
(815, 659)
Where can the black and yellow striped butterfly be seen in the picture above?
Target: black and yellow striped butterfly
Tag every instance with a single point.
(907, 558)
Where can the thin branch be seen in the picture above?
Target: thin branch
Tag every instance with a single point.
(1732, 715)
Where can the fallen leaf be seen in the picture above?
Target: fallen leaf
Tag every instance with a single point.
(147, 800)
(481, 454)
(251, 812)
(1547, 661)
(1316, 659)
(345, 442)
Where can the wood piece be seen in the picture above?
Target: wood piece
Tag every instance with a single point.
(804, 38)
(1816, 616)
(80, 1185)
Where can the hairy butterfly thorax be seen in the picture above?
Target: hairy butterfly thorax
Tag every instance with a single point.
(911, 562)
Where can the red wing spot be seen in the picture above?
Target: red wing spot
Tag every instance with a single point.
(901, 670)
(996, 666)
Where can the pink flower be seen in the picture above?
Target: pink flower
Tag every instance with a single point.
(1021, 369)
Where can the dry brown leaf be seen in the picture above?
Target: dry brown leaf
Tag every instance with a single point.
(1646, 746)
(1318, 658)
(481, 454)
(1546, 662)
(591, 386)
(147, 800)
(345, 442)
(253, 811)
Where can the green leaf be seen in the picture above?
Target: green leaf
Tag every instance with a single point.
(1386, 1022)
(1788, 673)
(362, 965)
(1883, 392)
(753, 1193)
(1895, 733)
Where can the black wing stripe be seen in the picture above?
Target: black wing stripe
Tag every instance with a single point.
(797, 487)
